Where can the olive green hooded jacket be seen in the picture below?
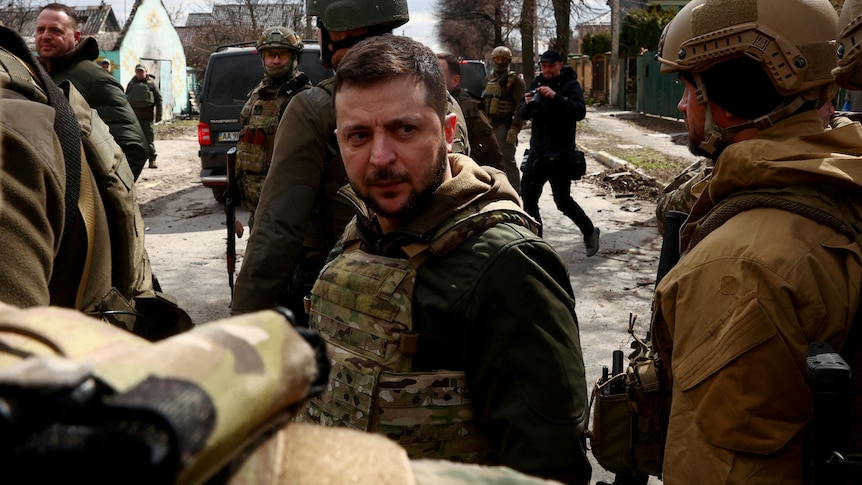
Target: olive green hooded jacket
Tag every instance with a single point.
(500, 307)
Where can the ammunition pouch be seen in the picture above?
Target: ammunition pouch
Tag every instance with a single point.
(631, 414)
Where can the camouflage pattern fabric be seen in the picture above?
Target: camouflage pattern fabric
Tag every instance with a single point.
(371, 344)
(250, 186)
(678, 194)
(361, 305)
(257, 355)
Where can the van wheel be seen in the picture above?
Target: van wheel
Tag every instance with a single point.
(218, 194)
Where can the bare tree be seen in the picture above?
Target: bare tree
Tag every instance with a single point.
(233, 23)
(528, 26)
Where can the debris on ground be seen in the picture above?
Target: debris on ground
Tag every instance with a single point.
(624, 183)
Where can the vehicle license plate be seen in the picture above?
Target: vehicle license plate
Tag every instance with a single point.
(228, 136)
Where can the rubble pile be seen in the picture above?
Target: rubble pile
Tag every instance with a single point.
(624, 183)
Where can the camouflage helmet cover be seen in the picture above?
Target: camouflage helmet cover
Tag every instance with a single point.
(343, 15)
(279, 38)
(792, 40)
(848, 73)
(501, 51)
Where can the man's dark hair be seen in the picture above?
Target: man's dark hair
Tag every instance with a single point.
(386, 57)
(61, 7)
(451, 63)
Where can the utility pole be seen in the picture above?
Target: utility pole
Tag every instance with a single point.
(616, 23)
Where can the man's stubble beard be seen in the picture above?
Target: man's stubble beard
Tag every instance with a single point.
(417, 199)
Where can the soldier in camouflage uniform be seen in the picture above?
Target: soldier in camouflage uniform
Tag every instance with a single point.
(280, 51)
(503, 91)
(452, 324)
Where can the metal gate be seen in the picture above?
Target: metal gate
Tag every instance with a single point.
(658, 94)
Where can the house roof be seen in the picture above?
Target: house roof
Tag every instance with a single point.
(261, 16)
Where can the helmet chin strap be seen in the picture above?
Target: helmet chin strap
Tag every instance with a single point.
(716, 134)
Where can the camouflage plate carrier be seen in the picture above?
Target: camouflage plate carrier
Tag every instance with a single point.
(361, 304)
(498, 97)
(257, 138)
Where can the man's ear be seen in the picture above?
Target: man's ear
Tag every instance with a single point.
(449, 123)
(77, 37)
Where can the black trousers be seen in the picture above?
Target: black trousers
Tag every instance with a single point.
(536, 172)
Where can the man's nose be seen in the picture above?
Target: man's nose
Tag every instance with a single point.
(381, 151)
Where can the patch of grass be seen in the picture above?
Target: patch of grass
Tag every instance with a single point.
(655, 164)
(177, 127)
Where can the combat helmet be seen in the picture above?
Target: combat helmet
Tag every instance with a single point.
(848, 74)
(501, 51)
(342, 15)
(281, 38)
(792, 42)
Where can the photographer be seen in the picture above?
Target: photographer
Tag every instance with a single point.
(555, 103)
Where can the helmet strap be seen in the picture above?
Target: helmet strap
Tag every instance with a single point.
(716, 134)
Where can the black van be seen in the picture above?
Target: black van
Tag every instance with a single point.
(473, 75)
(232, 72)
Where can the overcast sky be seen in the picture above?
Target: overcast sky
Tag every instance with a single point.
(420, 26)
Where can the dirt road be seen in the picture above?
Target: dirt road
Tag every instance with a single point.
(186, 243)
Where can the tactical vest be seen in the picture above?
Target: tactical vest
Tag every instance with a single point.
(498, 95)
(361, 305)
(257, 137)
(140, 95)
(262, 114)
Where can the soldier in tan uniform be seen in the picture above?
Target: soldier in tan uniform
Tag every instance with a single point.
(503, 91)
(280, 51)
(764, 272)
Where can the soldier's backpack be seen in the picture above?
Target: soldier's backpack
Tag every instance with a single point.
(139, 94)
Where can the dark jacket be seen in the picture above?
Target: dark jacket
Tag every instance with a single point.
(106, 95)
(146, 113)
(555, 120)
(500, 307)
(300, 211)
(484, 148)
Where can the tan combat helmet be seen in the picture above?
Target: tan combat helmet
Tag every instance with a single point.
(793, 42)
(849, 44)
(504, 52)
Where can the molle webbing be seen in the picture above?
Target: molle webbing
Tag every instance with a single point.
(362, 305)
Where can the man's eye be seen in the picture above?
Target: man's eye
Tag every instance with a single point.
(357, 136)
(406, 129)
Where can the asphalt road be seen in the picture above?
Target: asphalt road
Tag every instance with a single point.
(186, 239)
